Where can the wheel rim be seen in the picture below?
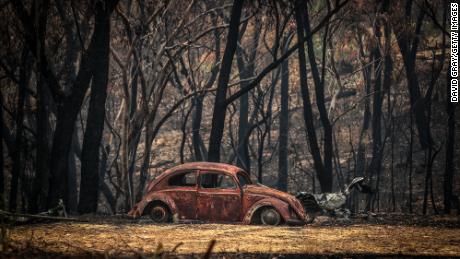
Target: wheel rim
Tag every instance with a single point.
(270, 217)
(159, 214)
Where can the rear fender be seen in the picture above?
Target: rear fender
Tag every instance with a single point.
(138, 209)
(280, 206)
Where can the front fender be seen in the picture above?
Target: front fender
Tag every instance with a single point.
(280, 206)
(138, 209)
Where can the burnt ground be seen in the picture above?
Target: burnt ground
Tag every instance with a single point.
(377, 236)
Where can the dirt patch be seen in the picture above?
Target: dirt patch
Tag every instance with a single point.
(67, 239)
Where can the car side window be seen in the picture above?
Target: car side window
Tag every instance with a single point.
(183, 179)
(217, 181)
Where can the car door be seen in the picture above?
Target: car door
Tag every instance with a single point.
(182, 189)
(218, 197)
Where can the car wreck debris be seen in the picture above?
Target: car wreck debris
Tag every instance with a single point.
(330, 203)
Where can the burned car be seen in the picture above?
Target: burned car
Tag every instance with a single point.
(215, 192)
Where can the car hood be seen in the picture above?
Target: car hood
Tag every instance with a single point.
(263, 190)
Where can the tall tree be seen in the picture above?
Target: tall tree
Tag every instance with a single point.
(42, 152)
(246, 68)
(18, 165)
(89, 184)
(220, 106)
(408, 46)
(324, 180)
(326, 185)
(284, 121)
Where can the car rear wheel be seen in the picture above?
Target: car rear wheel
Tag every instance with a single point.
(270, 216)
(159, 214)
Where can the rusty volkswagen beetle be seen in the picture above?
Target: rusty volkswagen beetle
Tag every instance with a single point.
(215, 192)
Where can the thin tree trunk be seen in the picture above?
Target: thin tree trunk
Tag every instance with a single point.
(111, 200)
(246, 71)
(184, 135)
(197, 141)
(284, 128)
(411, 144)
(145, 163)
(242, 153)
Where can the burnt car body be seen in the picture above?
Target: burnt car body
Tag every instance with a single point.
(215, 192)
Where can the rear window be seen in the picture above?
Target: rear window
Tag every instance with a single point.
(183, 179)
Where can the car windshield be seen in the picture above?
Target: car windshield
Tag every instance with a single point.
(243, 179)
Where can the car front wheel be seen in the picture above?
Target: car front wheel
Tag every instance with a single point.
(270, 216)
(159, 214)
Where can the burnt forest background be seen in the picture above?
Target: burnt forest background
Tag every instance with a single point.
(98, 97)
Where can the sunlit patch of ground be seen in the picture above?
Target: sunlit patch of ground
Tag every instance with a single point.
(140, 239)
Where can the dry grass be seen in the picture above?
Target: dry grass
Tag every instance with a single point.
(108, 239)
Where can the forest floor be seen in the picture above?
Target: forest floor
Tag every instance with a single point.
(110, 239)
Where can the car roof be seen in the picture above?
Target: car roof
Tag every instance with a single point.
(205, 166)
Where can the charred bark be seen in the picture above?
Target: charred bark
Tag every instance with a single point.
(324, 180)
(67, 113)
(89, 184)
(408, 48)
(220, 107)
(18, 164)
(284, 127)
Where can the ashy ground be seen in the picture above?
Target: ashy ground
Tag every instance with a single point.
(193, 240)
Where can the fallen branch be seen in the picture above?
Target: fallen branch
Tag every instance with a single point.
(11, 214)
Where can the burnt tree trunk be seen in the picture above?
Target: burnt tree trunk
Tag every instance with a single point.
(197, 141)
(284, 127)
(361, 152)
(242, 153)
(89, 184)
(17, 161)
(246, 71)
(67, 113)
(324, 180)
(42, 152)
(71, 197)
(376, 161)
(408, 50)
(105, 190)
(220, 107)
(199, 148)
